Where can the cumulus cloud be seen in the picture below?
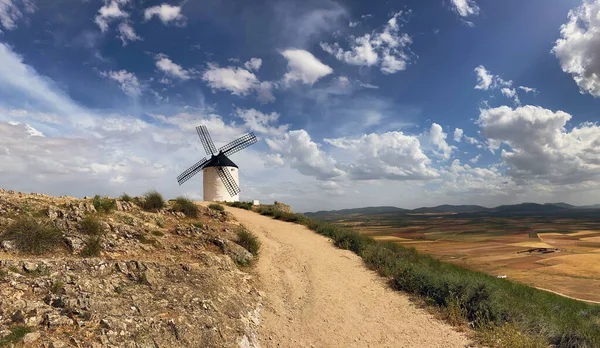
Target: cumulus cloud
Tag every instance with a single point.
(465, 8)
(128, 82)
(171, 69)
(304, 67)
(475, 159)
(259, 122)
(166, 13)
(458, 133)
(540, 146)
(238, 81)
(391, 155)
(11, 11)
(253, 64)
(437, 138)
(487, 80)
(511, 93)
(387, 48)
(297, 148)
(127, 33)
(108, 13)
(578, 48)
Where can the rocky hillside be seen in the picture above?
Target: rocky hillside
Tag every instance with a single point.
(122, 276)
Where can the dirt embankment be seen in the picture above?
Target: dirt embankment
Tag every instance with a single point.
(319, 296)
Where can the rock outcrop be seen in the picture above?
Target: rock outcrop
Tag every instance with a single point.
(161, 279)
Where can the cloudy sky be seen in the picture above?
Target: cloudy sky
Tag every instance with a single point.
(355, 103)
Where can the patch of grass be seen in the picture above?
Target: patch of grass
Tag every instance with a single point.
(153, 201)
(33, 236)
(92, 248)
(158, 233)
(215, 206)
(57, 287)
(241, 205)
(248, 240)
(145, 240)
(186, 206)
(3, 274)
(16, 334)
(104, 205)
(91, 226)
(128, 220)
(504, 313)
(160, 222)
(126, 198)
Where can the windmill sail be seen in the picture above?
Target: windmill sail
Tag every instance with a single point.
(191, 171)
(230, 184)
(238, 144)
(206, 140)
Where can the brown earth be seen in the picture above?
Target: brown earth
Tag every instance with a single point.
(316, 295)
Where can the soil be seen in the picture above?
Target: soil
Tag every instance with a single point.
(316, 295)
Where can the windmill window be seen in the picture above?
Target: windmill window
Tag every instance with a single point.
(233, 170)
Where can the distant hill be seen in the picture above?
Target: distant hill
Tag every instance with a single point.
(521, 209)
(364, 211)
(447, 208)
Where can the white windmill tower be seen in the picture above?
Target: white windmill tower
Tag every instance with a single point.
(221, 175)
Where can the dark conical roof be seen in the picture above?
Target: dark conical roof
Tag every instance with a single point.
(220, 160)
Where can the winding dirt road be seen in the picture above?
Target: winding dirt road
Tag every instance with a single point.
(321, 296)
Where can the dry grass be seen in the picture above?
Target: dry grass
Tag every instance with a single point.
(33, 236)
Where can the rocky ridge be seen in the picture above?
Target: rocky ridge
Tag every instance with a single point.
(161, 280)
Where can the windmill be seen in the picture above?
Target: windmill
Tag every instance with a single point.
(221, 175)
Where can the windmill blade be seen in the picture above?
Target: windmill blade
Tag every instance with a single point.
(191, 171)
(239, 144)
(207, 142)
(230, 184)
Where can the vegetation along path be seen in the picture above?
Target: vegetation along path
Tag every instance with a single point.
(321, 296)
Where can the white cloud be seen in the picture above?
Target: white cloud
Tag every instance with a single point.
(471, 140)
(260, 122)
(540, 146)
(458, 133)
(437, 138)
(297, 148)
(11, 11)
(511, 93)
(253, 64)
(304, 67)
(167, 13)
(127, 33)
(475, 159)
(353, 24)
(487, 80)
(238, 81)
(128, 82)
(387, 48)
(108, 13)
(528, 89)
(166, 65)
(391, 155)
(578, 49)
(465, 8)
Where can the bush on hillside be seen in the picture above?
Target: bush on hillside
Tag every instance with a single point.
(215, 206)
(33, 236)
(186, 206)
(126, 198)
(91, 226)
(248, 240)
(153, 201)
(104, 205)
(92, 248)
(241, 205)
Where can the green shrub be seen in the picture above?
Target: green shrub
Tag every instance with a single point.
(160, 222)
(17, 333)
(92, 248)
(186, 206)
(91, 226)
(215, 206)
(158, 233)
(248, 240)
(57, 287)
(241, 205)
(33, 236)
(104, 205)
(126, 198)
(153, 201)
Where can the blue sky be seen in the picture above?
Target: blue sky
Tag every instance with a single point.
(405, 103)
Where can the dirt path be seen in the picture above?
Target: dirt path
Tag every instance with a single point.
(321, 296)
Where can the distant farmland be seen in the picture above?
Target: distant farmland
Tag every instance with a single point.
(559, 252)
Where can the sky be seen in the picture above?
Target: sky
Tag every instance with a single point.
(355, 103)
